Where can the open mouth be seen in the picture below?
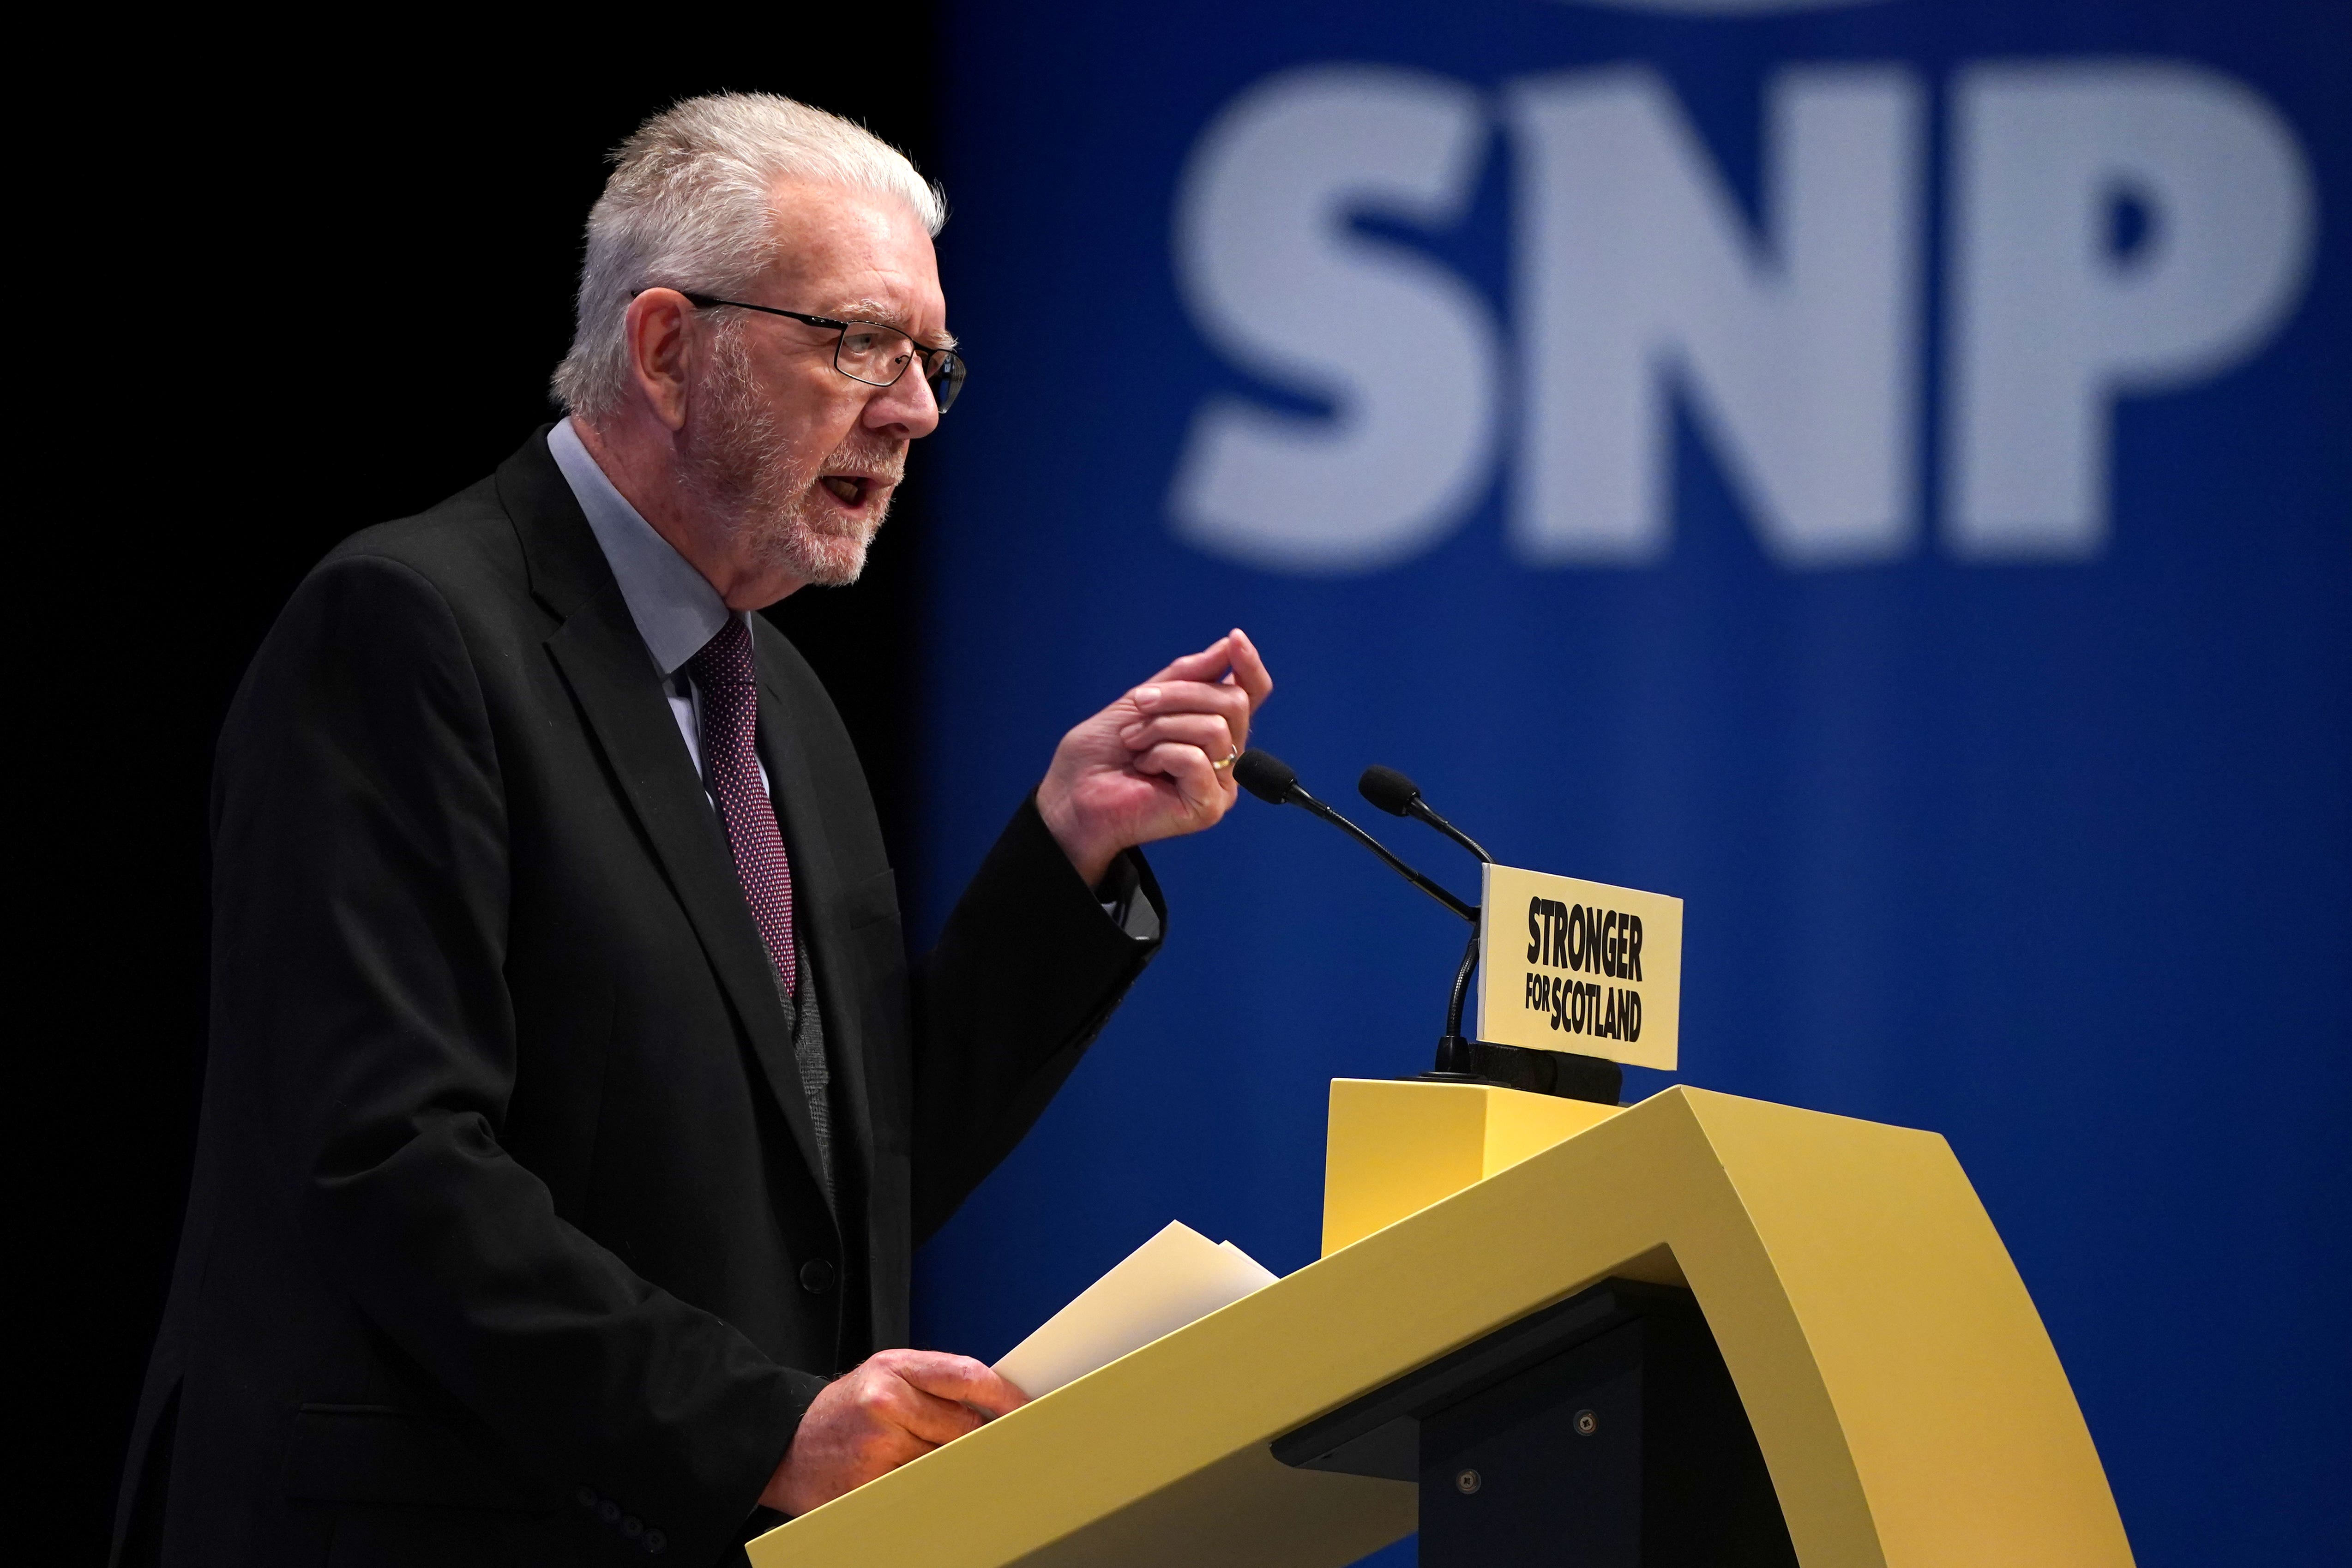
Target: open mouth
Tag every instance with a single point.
(849, 490)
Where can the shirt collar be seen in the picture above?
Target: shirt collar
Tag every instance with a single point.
(675, 607)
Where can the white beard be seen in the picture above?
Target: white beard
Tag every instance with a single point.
(745, 472)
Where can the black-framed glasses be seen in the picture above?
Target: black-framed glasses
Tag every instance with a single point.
(867, 350)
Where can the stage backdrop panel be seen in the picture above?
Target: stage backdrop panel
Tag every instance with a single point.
(1876, 471)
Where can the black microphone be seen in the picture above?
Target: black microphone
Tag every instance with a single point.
(1459, 1060)
(1399, 795)
(1275, 782)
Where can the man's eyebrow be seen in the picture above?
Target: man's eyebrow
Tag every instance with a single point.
(889, 316)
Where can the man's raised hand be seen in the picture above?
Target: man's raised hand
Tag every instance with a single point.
(1156, 763)
(896, 1407)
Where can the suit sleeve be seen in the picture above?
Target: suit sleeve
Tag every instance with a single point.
(361, 904)
(1026, 974)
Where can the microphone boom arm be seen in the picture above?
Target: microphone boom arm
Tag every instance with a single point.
(1461, 987)
(1420, 809)
(1469, 912)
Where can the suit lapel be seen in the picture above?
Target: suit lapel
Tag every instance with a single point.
(603, 661)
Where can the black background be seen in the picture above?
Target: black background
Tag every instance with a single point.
(306, 299)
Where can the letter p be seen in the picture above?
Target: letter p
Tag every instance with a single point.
(2119, 226)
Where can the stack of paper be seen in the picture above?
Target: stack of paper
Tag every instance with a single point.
(1178, 1277)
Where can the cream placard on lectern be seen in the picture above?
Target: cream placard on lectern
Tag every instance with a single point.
(1582, 967)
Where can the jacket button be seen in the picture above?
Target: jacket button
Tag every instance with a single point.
(816, 1276)
(654, 1543)
(632, 1527)
(609, 1512)
(586, 1498)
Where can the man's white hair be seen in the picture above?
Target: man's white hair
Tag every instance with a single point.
(688, 207)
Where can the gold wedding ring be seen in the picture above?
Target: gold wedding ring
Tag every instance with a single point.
(1228, 762)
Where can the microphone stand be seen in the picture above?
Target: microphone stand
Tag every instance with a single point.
(1461, 1059)
(1455, 1056)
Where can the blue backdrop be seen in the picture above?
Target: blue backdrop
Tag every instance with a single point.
(1877, 471)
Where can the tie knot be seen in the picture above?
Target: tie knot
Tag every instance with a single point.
(725, 659)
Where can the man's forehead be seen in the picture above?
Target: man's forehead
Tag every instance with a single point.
(858, 253)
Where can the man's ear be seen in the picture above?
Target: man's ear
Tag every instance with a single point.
(657, 331)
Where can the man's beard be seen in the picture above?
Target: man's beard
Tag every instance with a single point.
(746, 473)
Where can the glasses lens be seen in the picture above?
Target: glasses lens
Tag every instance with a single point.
(944, 371)
(872, 352)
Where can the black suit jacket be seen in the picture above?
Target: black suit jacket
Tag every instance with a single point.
(506, 1241)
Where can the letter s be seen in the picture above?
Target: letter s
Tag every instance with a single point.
(1403, 349)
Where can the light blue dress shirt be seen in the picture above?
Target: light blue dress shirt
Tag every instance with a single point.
(675, 607)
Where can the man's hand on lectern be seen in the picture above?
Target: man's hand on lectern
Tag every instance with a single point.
(897, 1405)
(1158, 762)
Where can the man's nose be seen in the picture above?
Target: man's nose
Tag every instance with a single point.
(905, 408)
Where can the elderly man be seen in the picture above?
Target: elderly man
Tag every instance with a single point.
(574, 1110)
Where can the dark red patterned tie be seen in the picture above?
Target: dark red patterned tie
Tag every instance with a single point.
(731, 713)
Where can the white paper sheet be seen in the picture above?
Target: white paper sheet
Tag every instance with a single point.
(1178, 1277)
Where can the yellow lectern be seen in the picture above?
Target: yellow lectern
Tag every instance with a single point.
(1903, 1394)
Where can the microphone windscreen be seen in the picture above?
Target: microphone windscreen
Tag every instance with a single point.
(1266, 776)
(1389, 789)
